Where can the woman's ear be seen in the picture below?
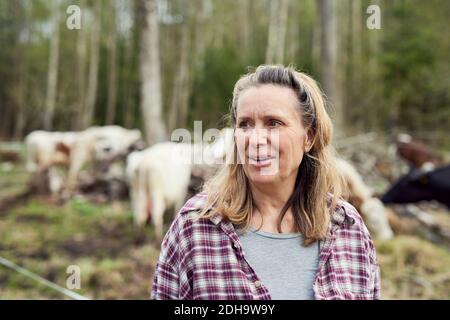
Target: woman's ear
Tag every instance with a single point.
(309, 140)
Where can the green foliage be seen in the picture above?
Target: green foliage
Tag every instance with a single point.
(212, 89)
(407, 90)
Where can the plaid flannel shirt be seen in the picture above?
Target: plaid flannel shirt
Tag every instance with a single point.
(204, 259)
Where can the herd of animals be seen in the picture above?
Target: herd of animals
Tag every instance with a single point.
(159, 177)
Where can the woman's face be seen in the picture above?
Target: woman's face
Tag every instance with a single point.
(270, 135)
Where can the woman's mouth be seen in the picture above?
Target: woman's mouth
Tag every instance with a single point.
(260, 162)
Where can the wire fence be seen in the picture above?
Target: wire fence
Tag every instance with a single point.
(68, 293)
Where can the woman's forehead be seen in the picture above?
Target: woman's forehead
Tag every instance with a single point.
(267, 99)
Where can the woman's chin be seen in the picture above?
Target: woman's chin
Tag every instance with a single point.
(258, 176)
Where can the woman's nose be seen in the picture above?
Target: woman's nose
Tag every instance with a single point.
(258, 137)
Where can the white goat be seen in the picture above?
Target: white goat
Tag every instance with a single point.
(48, 150)
(99, 144)
(159, 176)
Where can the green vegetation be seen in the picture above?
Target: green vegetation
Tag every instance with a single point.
(393, 79)
(413, 268)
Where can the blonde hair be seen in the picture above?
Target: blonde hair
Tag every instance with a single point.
(318, 186)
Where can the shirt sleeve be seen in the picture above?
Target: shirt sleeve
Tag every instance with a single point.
(375, 288)
(377, 283)
(166, 280)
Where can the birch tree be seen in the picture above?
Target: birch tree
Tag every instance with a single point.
(53, 62)
(112, 65)
(81, 50)
(91, 95)
(277, 31)
(182, 84)
(328, 56)
(150, 74)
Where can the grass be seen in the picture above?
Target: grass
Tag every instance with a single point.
(116, 260)
(413, 268)
(46, 239)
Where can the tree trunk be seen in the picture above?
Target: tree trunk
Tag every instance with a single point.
(52, 76)
(21, 100)
(293, 36)
(374, 74)
(277, 31)
(374, 47)
(354, 69)
(181, 90)
(81, 70)
(112, 66)
(128, 72)
(316, 39)
(328, 63)
(245, 23)
(202, 34)
(91, 95)
(185, 76)
(343, 11)
(150, 74)
(357, 24)
(22, 69)
(129, 99)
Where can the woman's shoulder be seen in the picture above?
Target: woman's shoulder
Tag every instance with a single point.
(348, 213)
(352, 229)
(186, 224)
(190, 211)
(188, 217)
(195, 204)
(350, 221)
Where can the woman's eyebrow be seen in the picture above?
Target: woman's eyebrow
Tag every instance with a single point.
(241, 118)
(273, 115)
(263, 115)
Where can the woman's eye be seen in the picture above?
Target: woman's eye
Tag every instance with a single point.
(244, 124)
(275, 123)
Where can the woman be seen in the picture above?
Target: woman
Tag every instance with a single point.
(271, 224)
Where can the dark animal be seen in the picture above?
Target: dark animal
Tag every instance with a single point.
(418, 186)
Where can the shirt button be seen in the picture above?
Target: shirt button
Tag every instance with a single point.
(257, 284)
(236, 245)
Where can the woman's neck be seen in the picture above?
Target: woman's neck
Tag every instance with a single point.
(268, 203)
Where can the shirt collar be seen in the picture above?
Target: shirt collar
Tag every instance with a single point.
(340, 216)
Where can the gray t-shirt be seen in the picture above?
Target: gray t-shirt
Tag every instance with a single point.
(282, 263)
